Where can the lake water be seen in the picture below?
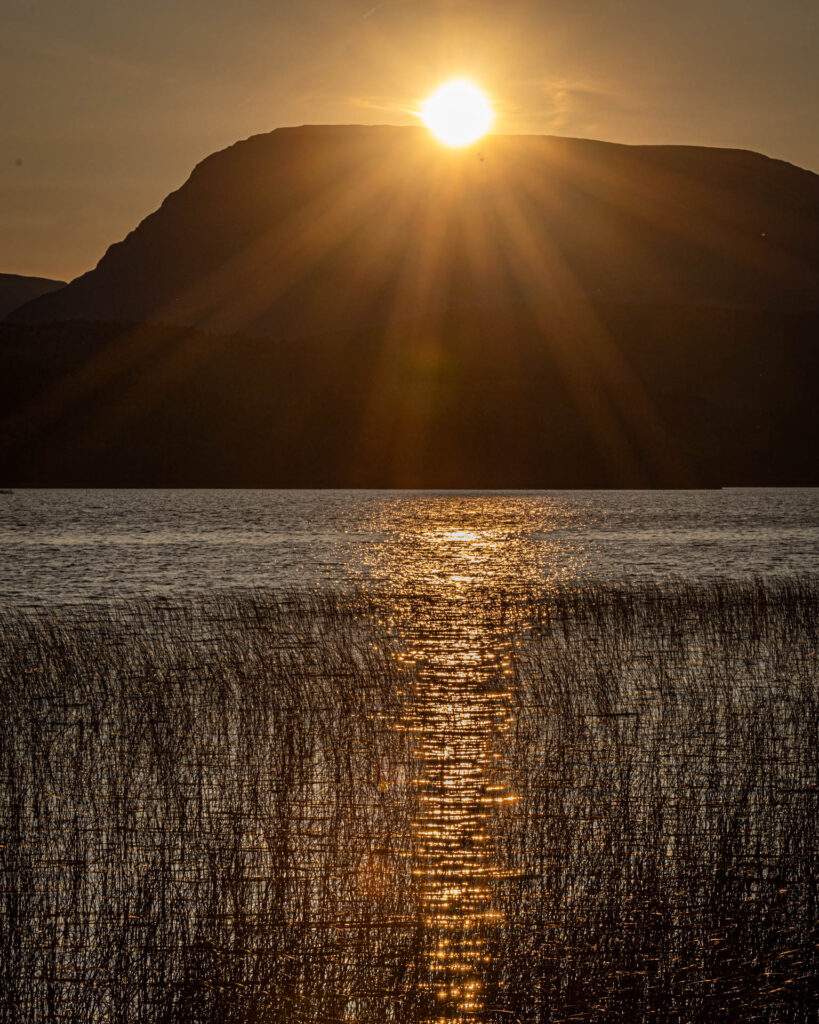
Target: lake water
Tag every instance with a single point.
(79, 545)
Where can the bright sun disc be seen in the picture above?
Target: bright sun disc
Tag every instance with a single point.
(457, 113)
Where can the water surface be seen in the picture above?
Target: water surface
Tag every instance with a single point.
(76, 546)
(64, 545)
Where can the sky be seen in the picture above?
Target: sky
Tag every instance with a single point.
(107, 105)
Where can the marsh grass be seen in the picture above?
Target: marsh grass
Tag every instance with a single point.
(666, 834)
(207, 807)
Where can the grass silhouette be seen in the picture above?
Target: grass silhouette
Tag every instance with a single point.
(207, 807)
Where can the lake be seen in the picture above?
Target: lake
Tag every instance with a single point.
(424, 757)
(89, 545)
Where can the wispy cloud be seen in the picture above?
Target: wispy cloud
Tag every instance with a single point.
(391, 105)
(378, 7)
(562, 104)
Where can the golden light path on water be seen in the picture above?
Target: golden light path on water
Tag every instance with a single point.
(459, 708)
(456, 711)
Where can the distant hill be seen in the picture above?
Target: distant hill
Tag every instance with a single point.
(15, 290)
(360, 307)
(309, 230)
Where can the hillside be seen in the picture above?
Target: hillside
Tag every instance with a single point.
(360, 307)
(628, 396)
(310, 230)
(16, 290)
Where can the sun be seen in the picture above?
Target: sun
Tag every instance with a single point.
(457, 113)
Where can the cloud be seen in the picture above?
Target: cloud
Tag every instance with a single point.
(565, 105)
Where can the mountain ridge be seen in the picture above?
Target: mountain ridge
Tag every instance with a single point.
(359, 307)
(310, 229)
(18, 289)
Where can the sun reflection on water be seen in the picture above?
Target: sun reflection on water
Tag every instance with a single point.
(460, 705)
(457, 718)
(447, 552)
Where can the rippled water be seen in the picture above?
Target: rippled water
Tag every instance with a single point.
(81, 545)
(70, 546)
(456, 711)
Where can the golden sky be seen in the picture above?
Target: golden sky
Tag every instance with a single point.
(106, 105)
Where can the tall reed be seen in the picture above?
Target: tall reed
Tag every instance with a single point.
(206, 806)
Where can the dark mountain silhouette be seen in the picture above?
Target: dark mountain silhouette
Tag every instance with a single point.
(309, 230)
(16, 290)
(628, 396)
(359, 307)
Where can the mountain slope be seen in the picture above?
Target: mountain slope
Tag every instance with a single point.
(16, 290)
(361, 307)
(309, 230)
(625, 396)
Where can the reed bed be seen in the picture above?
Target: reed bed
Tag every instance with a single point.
(207, 806)
(665, 840)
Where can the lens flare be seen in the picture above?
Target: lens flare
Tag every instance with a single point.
(457, 113)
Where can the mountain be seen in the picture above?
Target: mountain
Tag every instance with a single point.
(598, 396)
(15, 290)
(360, 307)
(309, 230)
